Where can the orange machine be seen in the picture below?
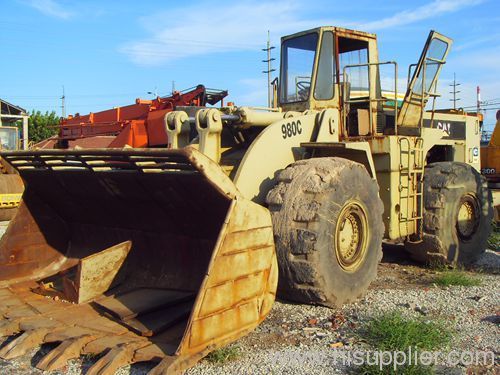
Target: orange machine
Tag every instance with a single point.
(490, 166)
(138, 125)
(490, 156)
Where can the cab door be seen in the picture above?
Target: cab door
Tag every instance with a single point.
(424, 78)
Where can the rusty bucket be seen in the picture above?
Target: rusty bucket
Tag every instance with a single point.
(146, 254)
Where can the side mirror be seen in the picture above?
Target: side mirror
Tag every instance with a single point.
(274, 85)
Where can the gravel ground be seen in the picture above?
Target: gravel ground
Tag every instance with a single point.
(298, 339)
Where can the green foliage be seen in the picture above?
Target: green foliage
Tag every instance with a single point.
(395, 333)
(392, 331)
(42, 125)
(223, 355)
(456, 277)
(494, 239)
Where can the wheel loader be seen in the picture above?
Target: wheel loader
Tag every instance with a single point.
(165, 254)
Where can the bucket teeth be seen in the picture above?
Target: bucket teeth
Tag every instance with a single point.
(9, 327)
(69, 349)
(20, 312)
(117, 357)
(12, 326)
(71, 332)
(5, 293)
(39, 323)
(23, 343)
(164, 367)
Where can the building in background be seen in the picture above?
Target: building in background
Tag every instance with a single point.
(9, 115)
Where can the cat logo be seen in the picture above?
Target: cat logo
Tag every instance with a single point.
(446, 126)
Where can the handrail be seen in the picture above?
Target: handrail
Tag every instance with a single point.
(370, 99)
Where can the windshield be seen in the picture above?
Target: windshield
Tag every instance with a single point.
(8, 138)
(297, 61)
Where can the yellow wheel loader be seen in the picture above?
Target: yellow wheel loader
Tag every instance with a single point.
(166, 254)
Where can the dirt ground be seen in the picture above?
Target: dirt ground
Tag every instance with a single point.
(312, 332)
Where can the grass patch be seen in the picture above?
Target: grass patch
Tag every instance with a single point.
(393, 332)
(223, 355)
(456, 277)
(436, 265)
(494, 239)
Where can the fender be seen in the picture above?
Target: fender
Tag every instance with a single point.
(287, 138)
(276, 147)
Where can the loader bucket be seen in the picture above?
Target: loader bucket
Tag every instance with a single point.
(145, 254)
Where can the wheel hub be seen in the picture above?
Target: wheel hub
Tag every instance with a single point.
(351, 236)
(468, 217)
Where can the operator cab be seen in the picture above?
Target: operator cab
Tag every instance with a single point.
(332, 67)
(313, 66)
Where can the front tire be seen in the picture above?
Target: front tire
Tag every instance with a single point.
(457, 215)
(327, 219)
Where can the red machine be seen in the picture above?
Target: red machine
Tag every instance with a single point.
(137, 125)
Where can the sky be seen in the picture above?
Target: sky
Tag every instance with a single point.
(107, 53)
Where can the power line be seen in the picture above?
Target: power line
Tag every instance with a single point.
(482, 105)
(55, 97)
(30, 29)
(490, 102)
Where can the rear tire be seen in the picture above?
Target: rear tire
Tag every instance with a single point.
(457, 215)
(327, 219)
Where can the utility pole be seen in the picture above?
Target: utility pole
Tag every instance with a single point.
(478, 103)
(63, 104)
(269, 69)
(454, 92)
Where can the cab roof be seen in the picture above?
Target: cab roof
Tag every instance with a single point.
(335, 29)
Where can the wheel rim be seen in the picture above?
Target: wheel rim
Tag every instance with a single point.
(351, 236)
(467, 217)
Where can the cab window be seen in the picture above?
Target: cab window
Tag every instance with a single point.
(354, 52)
(297, 58)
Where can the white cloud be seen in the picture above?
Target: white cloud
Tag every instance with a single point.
(49, 8)
(237, 27)
(475, 41)
(430, 10)
(203, 29)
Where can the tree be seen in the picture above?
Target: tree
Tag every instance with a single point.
(42, 126)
